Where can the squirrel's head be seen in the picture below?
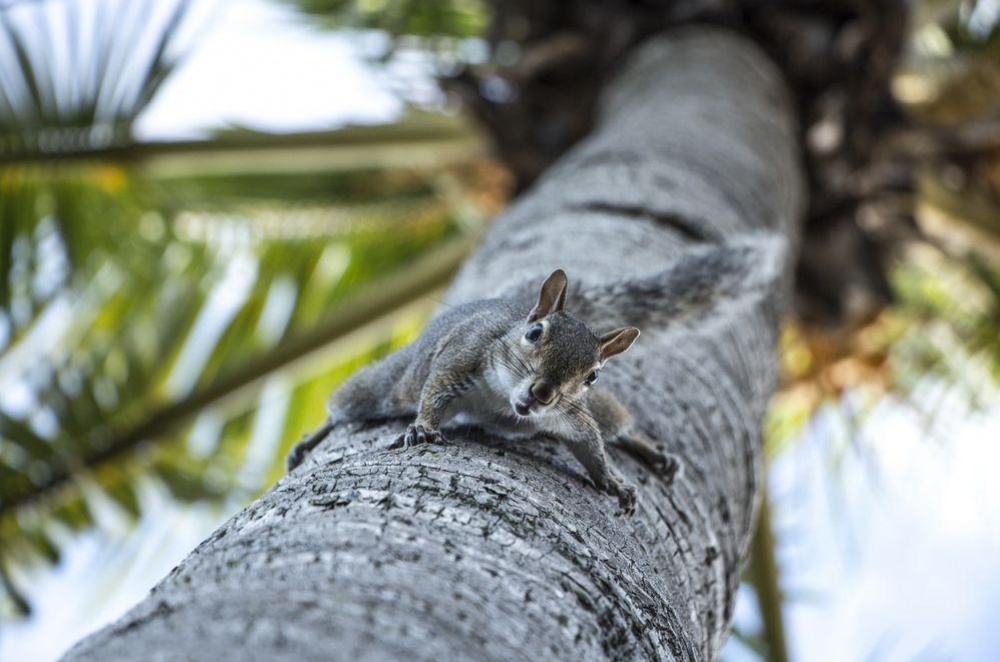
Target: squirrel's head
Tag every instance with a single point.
(553, 358)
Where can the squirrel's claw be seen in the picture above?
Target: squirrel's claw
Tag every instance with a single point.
(626, 495)
(626, 500)
(417, 434)
(617, 486)
(666, 465)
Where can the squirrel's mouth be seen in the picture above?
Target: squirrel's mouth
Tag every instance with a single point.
(525, 406)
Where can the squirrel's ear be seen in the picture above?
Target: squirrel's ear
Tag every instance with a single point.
(615, 342)
(552, 298)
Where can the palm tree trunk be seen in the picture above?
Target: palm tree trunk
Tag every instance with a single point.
(490, 550)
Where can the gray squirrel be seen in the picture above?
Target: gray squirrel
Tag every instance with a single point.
(530, 373)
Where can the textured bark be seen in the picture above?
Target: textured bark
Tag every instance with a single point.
(488, 549)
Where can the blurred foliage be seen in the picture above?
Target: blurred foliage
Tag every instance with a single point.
(82, 77)
(402, 36)
(126, 304)
(398, 18)
(942, 333)
(943, 325)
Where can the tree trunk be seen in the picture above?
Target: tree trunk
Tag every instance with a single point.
(488, 549)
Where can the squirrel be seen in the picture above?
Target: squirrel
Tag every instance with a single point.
(531, 373)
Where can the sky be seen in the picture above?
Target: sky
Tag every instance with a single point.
(256, 64)
(894, 556)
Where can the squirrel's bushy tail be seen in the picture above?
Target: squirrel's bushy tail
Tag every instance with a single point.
(700, 282)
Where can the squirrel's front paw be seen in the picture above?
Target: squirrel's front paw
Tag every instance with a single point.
(626, 499)
(666, 465)
(626, 494)
(417, 434)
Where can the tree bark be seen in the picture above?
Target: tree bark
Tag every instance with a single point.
(488, 549)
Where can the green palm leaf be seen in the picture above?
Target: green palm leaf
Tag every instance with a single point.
(110, 78)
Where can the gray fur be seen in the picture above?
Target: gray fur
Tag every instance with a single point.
(695, 286)
(428, 378)
(476, 360)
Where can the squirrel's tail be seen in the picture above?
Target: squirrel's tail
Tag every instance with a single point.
(700, 282)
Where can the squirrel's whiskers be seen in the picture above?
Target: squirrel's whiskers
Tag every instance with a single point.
(530, 373)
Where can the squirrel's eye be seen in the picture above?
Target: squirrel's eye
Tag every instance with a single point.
(591, 378)
(534, 333)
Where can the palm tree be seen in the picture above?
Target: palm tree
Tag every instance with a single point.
(551, 108)
(483, 549)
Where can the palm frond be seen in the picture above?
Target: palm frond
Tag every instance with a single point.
(85, 88)
(448, 18)
(103, 410)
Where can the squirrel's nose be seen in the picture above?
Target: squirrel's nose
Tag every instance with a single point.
(541, 392)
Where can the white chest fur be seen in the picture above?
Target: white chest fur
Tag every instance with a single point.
(486, 403)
